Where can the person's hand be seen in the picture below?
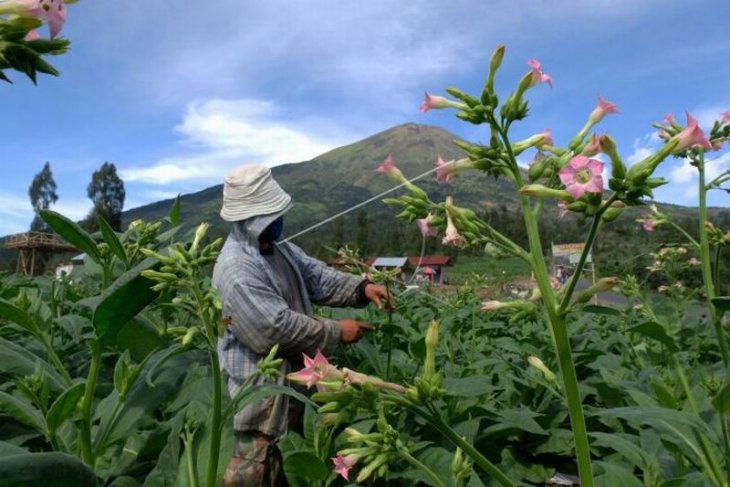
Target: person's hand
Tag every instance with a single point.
(376, 294)
(352, 330)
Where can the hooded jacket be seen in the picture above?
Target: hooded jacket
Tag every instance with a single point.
(261, 317)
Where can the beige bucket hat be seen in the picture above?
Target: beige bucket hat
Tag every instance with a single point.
(250, 191)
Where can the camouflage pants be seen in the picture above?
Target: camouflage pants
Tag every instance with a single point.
(256, 462)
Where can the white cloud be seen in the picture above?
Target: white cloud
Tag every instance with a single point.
(683, 178)
(16, 212)
(644, 147)
(218, 134)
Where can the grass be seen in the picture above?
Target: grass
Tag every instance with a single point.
(493, 270)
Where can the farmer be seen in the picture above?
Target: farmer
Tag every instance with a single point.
(267, 288)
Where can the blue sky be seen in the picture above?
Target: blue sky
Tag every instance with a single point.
(177, 93)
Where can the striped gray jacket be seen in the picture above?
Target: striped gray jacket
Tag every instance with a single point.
(261, 317)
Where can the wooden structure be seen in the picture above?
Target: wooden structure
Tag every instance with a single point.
(32, 246)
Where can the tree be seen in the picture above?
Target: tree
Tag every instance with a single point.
(42, 194)
(106, 191)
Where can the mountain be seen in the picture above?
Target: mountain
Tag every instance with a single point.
(344, 177)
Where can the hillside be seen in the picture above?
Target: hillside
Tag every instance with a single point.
(343, 177)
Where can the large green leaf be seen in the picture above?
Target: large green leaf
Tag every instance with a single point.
(307, 465)
(72, 233)
(609, 475)
(49, 468)
(141, 401)
(121, 301)
(652, 329)
(111, 239)
(721, 401)
(140, 338)
(16, 361)
(174, 215)
(23, 412)
(7, 449)
(63, 407)
(624, 447)
(18, 316)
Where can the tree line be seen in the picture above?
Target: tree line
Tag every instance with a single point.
(106, 192)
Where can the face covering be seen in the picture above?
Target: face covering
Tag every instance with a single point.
(274, 230)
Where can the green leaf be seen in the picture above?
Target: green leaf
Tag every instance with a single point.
(18, 316)
(652, 329)
(721, 304)
(174, 215)
(23, 412)
(721, 402)
(7, 449)
(72, 233)
(112, 240)
(48, 468)
(623, 446)
(307, 465)
(140, 338)
(63, 407)
(609, 475)
(17, 361)
(472, 386)
(121, 301)
(255, 393)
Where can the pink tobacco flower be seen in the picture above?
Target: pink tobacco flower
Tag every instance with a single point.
(668, 119)
(538, 75)
(31, 35)
(694, 261)
(435, 101)
(593, 147)
(315, 369)
(603, 108)
(425, 229)
(726, 116)
(443, 169)
(648, 225)
(53, 12)
(692, 136)
(387, 167)
(547, 138)
(452, 237)
(344, 464)
(582, 175)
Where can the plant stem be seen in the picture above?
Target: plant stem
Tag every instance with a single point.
(56, 361)
(706, 265)
(215, 417)
(87, 453)
(188, 442)
(421, 466)
(390, 334)
(557, 322)
(467, 448)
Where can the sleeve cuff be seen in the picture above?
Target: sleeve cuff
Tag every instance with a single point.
(332, 328)
(362, 300)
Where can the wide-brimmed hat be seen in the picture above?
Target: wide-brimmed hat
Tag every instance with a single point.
(250, 191)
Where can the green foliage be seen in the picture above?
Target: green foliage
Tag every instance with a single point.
(42, 194)
(26, 56)
(106, 191)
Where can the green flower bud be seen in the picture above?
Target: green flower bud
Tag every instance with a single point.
(539, 365)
